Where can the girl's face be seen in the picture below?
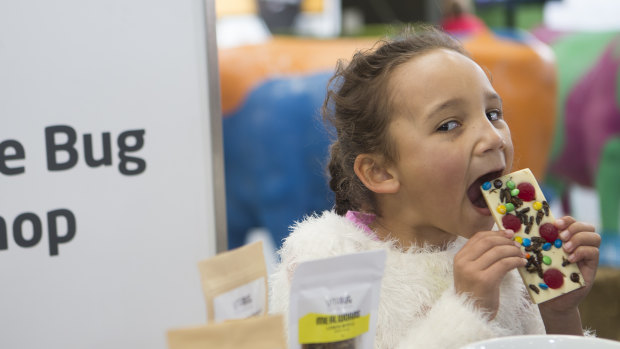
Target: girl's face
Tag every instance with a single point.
(450, 136)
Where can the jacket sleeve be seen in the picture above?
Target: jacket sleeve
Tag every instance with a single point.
(452, 322)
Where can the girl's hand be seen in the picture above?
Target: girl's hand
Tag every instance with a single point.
(581, 243)
(482, 263)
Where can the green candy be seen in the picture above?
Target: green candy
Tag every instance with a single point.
(510, 185)
(514, 192)
(547, 260)
(510, 207)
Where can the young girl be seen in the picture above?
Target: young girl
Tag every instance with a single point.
(419, 128)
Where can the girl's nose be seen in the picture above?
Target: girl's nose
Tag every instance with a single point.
(490, 138)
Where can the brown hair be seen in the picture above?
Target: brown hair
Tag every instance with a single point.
(358, 107)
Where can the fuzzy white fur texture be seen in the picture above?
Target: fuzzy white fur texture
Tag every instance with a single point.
(418, 307)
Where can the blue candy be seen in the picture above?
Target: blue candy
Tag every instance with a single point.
(526, 242)
(543, 286)
(558, 243)
(546, 246)
(486, 185)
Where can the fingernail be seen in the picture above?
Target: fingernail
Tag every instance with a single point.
(517, 244)
(509, 233)
(564, 235)
(568, 246)
(571, 258)
(559, 222)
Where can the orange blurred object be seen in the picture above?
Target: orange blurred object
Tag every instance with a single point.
(243, 68)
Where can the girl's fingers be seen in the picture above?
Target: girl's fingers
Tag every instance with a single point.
(582, 239)
(588, 254)
(575, 228)
(498, 254)
(564, 222)
(568, 227)
(482, 244)
(503, 266)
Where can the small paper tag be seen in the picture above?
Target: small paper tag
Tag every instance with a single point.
(242, 302)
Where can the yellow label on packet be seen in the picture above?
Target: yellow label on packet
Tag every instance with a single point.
(327, 328)
(312, 6)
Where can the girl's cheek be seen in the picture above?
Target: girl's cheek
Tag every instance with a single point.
(450, 162)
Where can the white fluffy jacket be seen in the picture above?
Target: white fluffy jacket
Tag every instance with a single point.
(418, 307)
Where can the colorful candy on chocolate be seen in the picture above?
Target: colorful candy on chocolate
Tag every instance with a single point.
(553, 278)
(511, 221)
(549, 232)
(516, 202)
(527, 192)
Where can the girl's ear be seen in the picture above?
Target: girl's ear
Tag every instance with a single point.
(373, 173)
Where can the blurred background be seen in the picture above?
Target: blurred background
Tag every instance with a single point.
(555, 64)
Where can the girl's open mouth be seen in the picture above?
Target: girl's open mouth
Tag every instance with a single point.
(474, 193)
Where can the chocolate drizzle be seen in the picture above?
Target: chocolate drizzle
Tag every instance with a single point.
(528, 226)
(522, 214)
(504, 195)
(523, 211)
(533, 265)
(565, 261)
(545, 207)
(539, 216)
(516, 201)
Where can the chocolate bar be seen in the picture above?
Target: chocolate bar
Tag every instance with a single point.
(516, 202)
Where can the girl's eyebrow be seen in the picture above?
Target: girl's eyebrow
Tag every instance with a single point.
(493, 95)
(450, 103)
(457, 102)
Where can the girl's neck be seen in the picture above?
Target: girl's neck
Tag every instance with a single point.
(409, 235)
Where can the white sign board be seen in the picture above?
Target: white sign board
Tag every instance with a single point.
(106, 175)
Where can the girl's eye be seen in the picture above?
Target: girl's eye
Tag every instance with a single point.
(449, 126)
(494, 115)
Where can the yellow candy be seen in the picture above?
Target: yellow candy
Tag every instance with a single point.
(537, 205)
(501, 209)
(518, 239)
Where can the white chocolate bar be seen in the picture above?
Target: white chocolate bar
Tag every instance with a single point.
(520, 206)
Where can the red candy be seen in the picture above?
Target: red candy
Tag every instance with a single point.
(511, 221)
(526, 191)
(548, 232)
(553, 278)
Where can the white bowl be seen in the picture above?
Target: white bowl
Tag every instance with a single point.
(542, 341)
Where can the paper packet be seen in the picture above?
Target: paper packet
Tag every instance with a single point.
(334, 302)
(264, 332)
(234, 283)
